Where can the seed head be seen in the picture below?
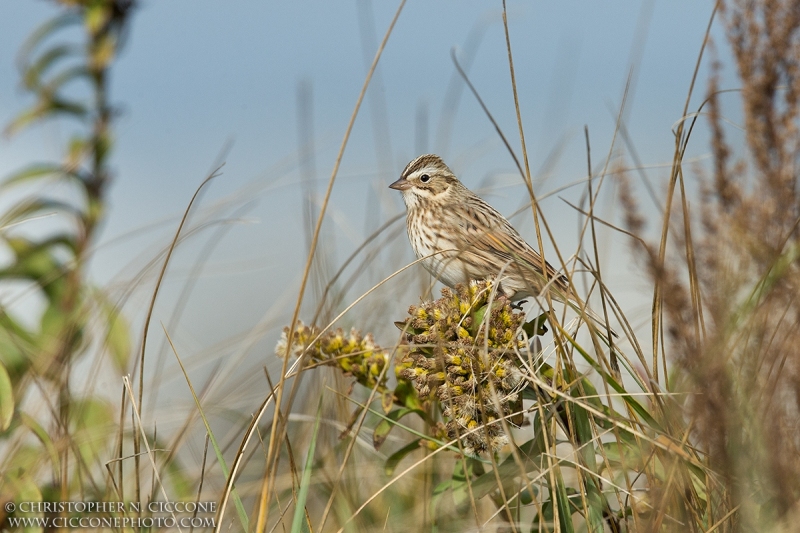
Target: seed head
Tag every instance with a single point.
(464, 355)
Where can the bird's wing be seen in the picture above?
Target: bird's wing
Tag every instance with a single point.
(493, 234)
(488, 234)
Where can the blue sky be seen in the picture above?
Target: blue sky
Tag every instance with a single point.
(196, 75)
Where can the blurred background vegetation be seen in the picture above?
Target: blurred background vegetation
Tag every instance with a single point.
(401, 410)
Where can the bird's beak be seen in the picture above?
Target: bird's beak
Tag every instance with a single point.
(401, 185)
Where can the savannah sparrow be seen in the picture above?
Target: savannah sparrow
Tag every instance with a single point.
(474, 241)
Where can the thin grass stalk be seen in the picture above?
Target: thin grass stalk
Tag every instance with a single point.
(138, 424)
(657, 333)
(237, 463)
(148, 317)
(272, 455)
(209, 433)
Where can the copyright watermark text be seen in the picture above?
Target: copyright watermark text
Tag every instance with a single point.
(78, 514)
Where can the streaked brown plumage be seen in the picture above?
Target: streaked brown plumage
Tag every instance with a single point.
(444, 215)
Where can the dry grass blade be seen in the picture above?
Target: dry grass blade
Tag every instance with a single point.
(161, 274)
(675, 176)
(276, 431)
(151, 307)
(210, 434)
(126, 381)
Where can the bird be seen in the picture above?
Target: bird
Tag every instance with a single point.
(461, 238)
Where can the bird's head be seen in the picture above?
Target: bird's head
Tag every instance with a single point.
(427, 180)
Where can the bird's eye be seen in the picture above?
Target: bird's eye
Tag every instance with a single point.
(424, 178)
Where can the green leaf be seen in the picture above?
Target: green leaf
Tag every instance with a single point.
(583, 423)
(53, 320)
(117, 337)
(401, 325)
(407, 395)
(525, 496)
(90, 420)
(70, 74)
(438, 493)
(544, 521)
(299, 519)
(37, 208)
(27, 462)
(43, 32)
(47, 107)
(79, 148)
(466, 470)
(32, 77)
(536, 327)
(24, 489)
(406, 428)
(181, 485)
(44, 438)
(477, 319)
(35, 262)
(16, 343)
(595, 504)
(614, 384)
(623, 454)
(385, 426)
(507, 471)
(387, 400)
(57, 335)
(118, 341)
(565, 506)
(37, 170)
(534, 448)
(103, 51)
(237, 500)
(96, 16)
(6, 399)
(399, 455)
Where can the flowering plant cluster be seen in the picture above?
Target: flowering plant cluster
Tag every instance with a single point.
(466, 355)
(355, 354)
(461, 356)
